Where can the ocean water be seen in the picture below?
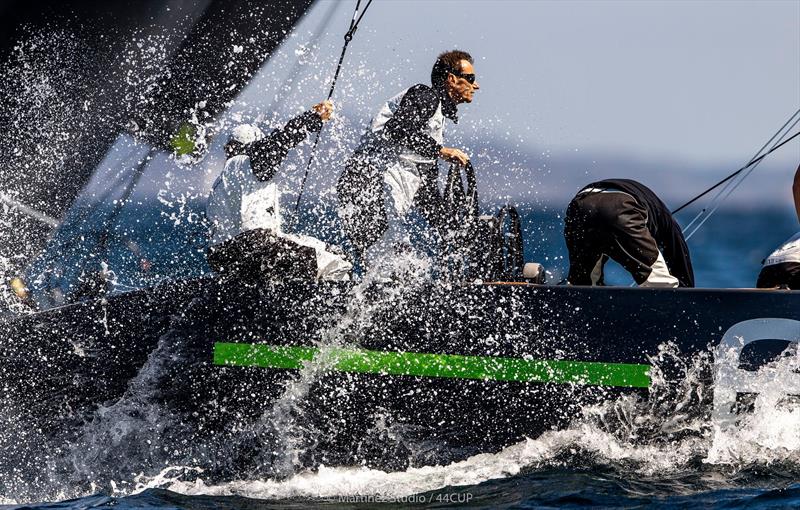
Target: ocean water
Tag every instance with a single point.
(582, 466)
(726, 252)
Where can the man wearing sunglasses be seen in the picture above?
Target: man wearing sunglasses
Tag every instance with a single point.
(394, 169)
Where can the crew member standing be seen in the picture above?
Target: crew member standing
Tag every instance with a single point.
(624, 220)
(782, 267)
(245, 197)
(395, 168)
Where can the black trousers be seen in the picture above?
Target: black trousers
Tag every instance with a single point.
(779, 275)
(360, 190)
(608, 224)
(360, 193)
(258, 254)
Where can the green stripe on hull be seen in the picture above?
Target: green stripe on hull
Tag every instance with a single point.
(437, 365)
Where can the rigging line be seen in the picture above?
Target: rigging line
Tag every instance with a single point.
(347, 38)
(752, 161)
(28, 210)
(727, 180)
(782, 129)
(735, 183)
(712, 211)
(740, 181)
(755, 162)
(731, 186)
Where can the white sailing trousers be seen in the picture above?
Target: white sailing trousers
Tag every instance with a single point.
(393, 253)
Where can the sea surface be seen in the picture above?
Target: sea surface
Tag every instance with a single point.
(726, 252)
(582, 466)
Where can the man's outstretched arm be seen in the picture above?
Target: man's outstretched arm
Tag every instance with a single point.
(267, 154)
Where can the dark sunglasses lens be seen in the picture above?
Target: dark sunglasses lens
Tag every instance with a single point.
(469, 77)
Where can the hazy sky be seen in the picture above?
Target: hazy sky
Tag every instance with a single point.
(675, 94)
(706, 82)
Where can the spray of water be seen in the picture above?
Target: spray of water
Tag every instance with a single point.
(286, 419)
(656, 437)
(137, 443)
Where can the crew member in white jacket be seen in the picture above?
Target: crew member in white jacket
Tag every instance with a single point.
(245, 197)
(394, 167)
(782, 267)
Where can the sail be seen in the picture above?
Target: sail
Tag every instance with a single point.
(144, 68)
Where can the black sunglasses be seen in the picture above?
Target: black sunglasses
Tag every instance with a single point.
(470, 77)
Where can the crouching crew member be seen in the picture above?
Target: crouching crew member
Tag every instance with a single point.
(394, 167)
(244, 207)
(624, 220)
(782, 267)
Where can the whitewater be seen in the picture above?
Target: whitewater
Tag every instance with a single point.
(134, 452)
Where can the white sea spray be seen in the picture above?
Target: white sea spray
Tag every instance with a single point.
(651, 438)
(656, 436)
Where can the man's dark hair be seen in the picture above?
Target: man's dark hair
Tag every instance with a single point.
(447, 62)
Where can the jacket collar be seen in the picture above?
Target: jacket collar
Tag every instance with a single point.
(449, 107)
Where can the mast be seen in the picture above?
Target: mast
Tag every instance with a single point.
(200, 67)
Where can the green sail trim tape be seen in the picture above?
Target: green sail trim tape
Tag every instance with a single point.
(183, 142)
(436, 365)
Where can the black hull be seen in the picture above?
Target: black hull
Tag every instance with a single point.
(542, 353)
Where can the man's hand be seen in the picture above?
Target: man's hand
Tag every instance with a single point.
(324, 109)
(453, 155)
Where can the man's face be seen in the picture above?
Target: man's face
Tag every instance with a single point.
(458, 83)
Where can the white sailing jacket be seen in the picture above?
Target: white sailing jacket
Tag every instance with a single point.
(245, 197)
(407, 131)
(414, 135)
(239, 202)
(787, 252)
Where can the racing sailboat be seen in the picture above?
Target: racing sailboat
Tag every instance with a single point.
(464, 365)
(469, 366)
